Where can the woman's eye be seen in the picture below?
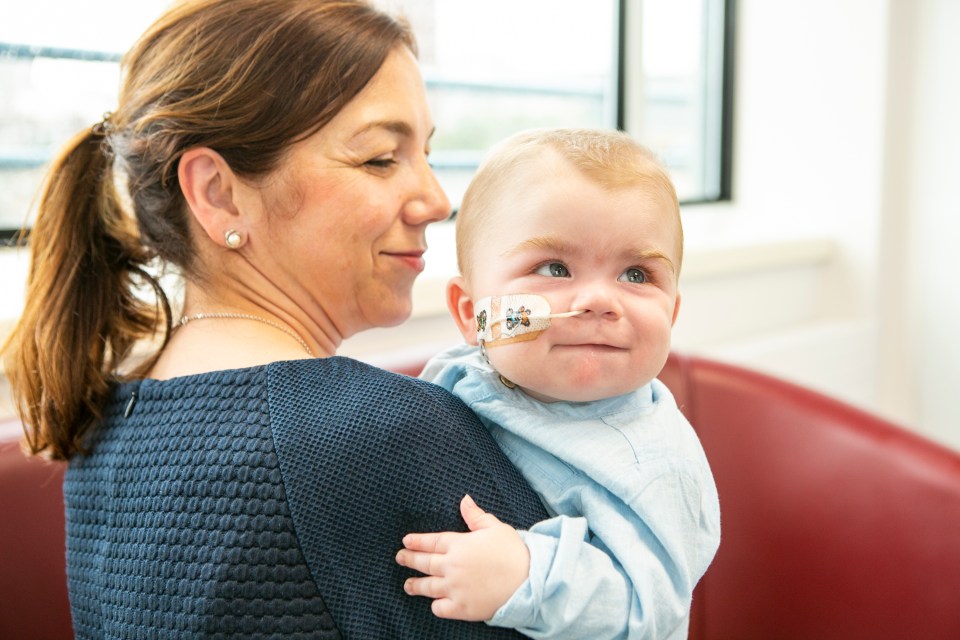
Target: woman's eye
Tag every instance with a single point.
(553, 269)
(381, 163)
(634, 275)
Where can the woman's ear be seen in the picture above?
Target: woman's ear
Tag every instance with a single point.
(460, 305)
(208, 186)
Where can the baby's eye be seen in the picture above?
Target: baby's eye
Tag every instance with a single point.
(553, 269)
(634, 275)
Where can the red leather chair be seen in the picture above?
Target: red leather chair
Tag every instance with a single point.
(836, 524)
(33, 580)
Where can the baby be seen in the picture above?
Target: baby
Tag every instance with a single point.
(569, 247)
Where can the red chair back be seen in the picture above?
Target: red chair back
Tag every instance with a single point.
(836, 524)
(33, 580)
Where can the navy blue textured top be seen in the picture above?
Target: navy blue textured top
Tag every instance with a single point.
(271, 501)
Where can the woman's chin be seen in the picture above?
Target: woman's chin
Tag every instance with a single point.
(393, 314)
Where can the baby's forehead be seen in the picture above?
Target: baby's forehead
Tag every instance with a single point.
(543, 173)
(572, 205)
(520, 176)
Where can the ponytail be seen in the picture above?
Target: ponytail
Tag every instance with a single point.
(84, 311)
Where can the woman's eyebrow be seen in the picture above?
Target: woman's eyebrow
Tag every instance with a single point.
(399, 127)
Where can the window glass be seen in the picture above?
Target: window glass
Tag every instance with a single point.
(491, 68)
(499, 66)
(59, 72)
(675, 89)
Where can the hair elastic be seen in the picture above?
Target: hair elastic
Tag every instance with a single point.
(105, 127)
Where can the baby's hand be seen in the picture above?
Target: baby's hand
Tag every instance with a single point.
(469, 575)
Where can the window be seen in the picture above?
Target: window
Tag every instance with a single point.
(655, 67)
(499, 66)
(58, 76)
(677, 90)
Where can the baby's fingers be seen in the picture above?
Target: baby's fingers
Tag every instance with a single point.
(429, 542)
(450, 608)
(427, 563)
(429, 587)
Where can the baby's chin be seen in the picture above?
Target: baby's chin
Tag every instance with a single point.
(583, 379)
(579, 394)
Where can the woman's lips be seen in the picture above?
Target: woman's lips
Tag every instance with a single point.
(413, 259)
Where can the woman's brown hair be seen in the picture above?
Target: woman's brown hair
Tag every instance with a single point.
(246, 78)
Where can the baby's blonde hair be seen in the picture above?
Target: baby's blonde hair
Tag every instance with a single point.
(611, 159)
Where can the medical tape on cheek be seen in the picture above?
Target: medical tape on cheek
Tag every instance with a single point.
(513, 318)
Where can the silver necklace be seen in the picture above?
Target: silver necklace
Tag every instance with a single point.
(246, 316)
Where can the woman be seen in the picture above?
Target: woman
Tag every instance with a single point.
(243, 482)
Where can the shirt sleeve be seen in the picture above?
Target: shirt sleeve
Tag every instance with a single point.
(637, 517)
(621, 577)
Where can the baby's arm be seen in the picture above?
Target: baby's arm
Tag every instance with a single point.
(469, 575)
(573, 583)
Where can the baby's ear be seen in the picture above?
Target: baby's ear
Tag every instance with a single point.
(460, 305)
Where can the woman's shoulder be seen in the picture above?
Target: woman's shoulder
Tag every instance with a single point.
(368, 456)
(339, 419)
(299, 385)
(324, 370)
(339, 406)
(343, 386)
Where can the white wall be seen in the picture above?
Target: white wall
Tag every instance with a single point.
(847, 130)
(920, 311)
(831, 266)
(808, 166)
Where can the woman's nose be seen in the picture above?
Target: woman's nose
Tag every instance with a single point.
(429, 203)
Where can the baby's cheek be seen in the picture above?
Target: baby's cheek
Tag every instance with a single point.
(517, 362)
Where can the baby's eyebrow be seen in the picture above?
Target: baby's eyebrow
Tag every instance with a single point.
(653, 254)
(562, 247)
(547, 243)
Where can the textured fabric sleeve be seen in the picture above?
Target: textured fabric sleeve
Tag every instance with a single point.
(368, 456)
(625, 577)
(638, 478)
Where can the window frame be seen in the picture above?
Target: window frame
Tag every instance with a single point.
(15, 235)
(12, 236)
(726, 106)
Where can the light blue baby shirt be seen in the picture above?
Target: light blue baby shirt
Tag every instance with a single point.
(637, 519)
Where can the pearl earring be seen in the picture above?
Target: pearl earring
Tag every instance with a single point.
(233, 239)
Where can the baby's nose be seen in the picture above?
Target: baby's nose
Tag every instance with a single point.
(598, 299)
